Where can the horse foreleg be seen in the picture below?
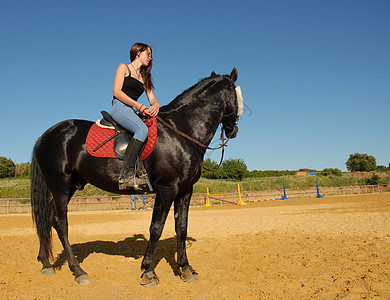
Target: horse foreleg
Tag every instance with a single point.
(61, 226)
(160, 213)
(181, 223)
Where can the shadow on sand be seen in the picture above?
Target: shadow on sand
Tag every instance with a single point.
(134, 247)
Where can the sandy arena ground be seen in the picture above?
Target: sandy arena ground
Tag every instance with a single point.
(331, 248)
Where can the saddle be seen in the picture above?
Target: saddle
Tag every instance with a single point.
(121, 136)
(106, 138)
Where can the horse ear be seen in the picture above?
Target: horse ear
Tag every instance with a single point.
(213, 74)
(234, 75)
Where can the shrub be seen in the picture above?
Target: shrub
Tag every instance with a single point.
(7, 167)
(382, 168)
(270, 173)
(330, 171)
(374, 180)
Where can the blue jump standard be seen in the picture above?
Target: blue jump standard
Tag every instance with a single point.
(133, 200)
(318, 191)
(285, 195)
(284, 190)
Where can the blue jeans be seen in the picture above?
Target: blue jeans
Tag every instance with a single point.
(126, 116)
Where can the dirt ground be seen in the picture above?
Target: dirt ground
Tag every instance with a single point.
(331, 248)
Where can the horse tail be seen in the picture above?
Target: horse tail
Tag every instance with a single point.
(41, 206)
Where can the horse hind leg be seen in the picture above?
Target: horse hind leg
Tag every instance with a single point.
(61, 226)
(47, 267)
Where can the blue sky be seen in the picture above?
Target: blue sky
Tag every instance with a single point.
(315, 74)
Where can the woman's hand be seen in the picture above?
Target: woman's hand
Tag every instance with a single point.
(153, 110)
(143, 110)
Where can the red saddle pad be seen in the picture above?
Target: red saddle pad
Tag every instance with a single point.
(98, 135)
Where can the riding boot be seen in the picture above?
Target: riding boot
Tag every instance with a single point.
(128, 179)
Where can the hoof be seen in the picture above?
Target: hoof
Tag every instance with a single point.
(48, 271)
(149, 279)
(189, 275)
(83, 279)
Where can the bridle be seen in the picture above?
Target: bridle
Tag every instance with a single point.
(222, 138)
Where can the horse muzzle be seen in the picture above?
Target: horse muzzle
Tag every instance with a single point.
(231, 133)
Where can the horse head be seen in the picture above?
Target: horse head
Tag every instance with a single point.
(233, 105)
(200, 109)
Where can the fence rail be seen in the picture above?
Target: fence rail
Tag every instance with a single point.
(312, 192)
(88, 203)
(94, 203)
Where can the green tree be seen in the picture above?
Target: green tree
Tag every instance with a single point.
(7, 167)
(361, 162)
(23, 169)
(235, 169)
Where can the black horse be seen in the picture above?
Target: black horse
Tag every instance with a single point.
(61, 165)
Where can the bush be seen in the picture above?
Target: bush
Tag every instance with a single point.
(381, 168)
(270, 173)
(374, 180)
(330, 171)
(7, 167)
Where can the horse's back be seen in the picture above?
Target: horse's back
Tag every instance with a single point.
(67, 128)
(61, 135)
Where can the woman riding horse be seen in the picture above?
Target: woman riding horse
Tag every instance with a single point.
(129, 84)
(61, 165)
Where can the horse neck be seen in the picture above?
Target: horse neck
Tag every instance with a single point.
(196, 115)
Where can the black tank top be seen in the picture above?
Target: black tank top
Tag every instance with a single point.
(132, 87)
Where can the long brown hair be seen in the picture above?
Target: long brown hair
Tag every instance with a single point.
(145, 71)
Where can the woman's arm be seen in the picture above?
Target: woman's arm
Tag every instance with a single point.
(153, 110)
(120, 74)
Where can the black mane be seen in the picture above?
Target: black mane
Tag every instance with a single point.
(194, 92)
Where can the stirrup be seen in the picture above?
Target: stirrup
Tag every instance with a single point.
(140, 183)
(132, 182)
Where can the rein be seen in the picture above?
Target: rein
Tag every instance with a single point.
(191, 138)
(223, 144)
